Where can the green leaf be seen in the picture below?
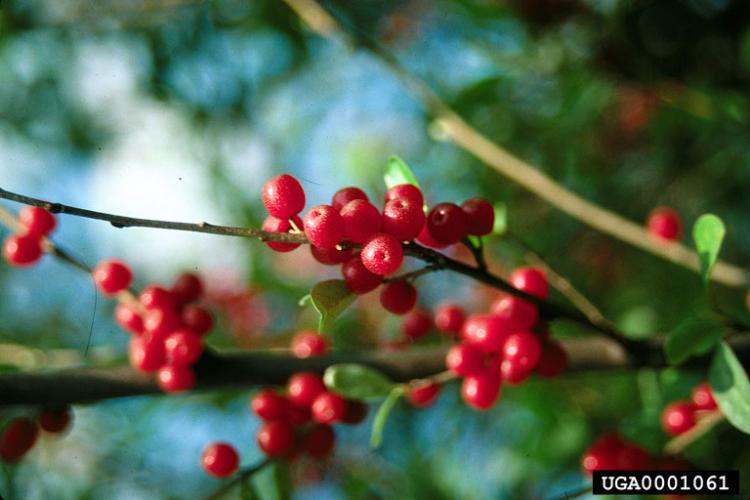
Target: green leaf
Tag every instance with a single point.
(398, 172)
(501, 218)
(381, 417)
(330, 298)
(691, 337)
(357, 381)
(708, 233)
(731, 387)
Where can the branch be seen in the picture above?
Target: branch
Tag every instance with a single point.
(524, 174)
(238, 479)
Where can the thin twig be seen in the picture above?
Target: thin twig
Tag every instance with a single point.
(412, 275)
(574, 493)
(477, 252)
(237, 480)
(678, 444)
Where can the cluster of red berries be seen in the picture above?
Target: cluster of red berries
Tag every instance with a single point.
(167, 326)
(300, 421)
(665, 224)
(25, 248)
(613, 452)
(681, 416)
(20, 435)
(352, 218)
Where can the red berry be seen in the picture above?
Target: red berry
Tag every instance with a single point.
(283, 196)
(188, 287)
(405, 192)
(398, 297)
(417, 324)
(146, 353)
(421, 394)
(382, 254)
(274, 225)
(523, 348)
(514, 312)
(633, 457)
(304, 387)
(449, 318)
(112, 276)
(464, 360)
(320, 441)
(269, 405)
(183, 347)
(361, 220)
(54, 420)
(481, 390)
(703, 397)
(128, 319)
(447, 223)
(358, 279)
(157, 297)
(480, 216)
(602, 455)
(197, 319)
(665, 223)
(276, 438)
(324, 227)
(37, 220)
(331, 256)
(220, 460)
(307, 343)
(554, 359)
(161, 322)
(356, 412)
(403, 219)
(513, 371)
(484, 331)
(17, 439)
(297, 415)
(173, 378)
(530, 280)
(678, 417)
(426, 239)
(346, 195)
(22, 250)
(328, 408)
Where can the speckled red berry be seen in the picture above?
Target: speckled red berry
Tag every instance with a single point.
(665, 223)
(703, 397)
(514, 312)
(484, 331)
(17, 439)
(276, 438)
(358, 278)
(405, 192)
(554, 359)
(283, 196)
(146, 353)
(403, 219)
(307, 343)
(464, 360)
(398, 297)
(188, 287)
(198, 319)
(446, 223)
(331, 256)
(54, 420)
(382, 254)
(112, 276)
(274, 225)
(128, 319)
(347, 194)
(304, 387)
(416, 324)
(319, 441)
(426, 239)
(678, 417)
(38, 221)
(269, 405)
(422, 394)
(328, 408)
(480, 216)
(361, 220)
(323, 226)
(449, 318)
(530, 280)
(183, 347)
(173, 378)
(220, 460)
(481, 390)
(22, 250)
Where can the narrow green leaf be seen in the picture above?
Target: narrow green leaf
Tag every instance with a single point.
(398, 172)
(691, 337)
(708, 234)
(501, 218)
(330, 298)
(381, 417)
(731, 387)
(357, 381)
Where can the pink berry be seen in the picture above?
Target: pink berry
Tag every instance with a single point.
(484, 331)
(523, 348)
(54, 420)
(188, 287)
(324, 227)
(464, 360)
(274, 225)
(405, 192)
(361, 220)
(319, 441)
(220, 460)
(417, 324)
(283, 196)
(480, 216)
(403, 218)
(307, 343)
(449, 318)
(269, 405)
(112, 276)
(183, 347)
(530, 280)
(703, 397)
(398, 297)
(554, 359)
(358, 278)
(422, 394)
(146, 353)
(198, 319)
(128, 319)
(22, 250)
(157, 297)
(382, 254)
(304, 387)
(172, 378)
(446, 223)
(346, 195)
(328, 408)
(276, 438)
(331, 256)
(481, 390)
(514, 312)
(665, 223)
(678, 417)
(38, 221)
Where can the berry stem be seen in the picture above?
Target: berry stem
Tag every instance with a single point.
(707, 422)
